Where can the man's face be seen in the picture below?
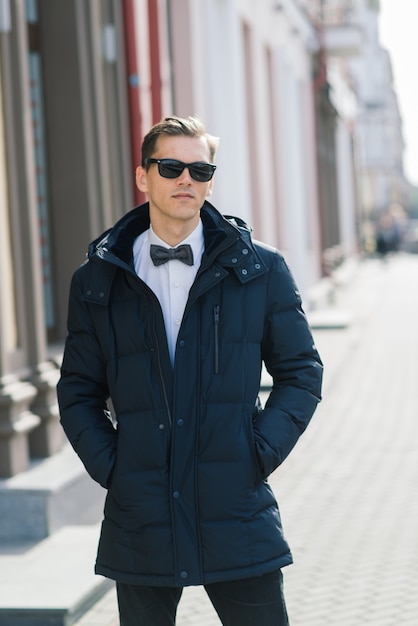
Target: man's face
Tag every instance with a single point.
(175, 201)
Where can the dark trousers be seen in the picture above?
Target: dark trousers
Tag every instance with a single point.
(249, 602)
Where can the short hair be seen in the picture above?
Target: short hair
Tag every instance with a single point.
(177, 126)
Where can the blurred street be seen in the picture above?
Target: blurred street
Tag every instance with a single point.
(348, 492)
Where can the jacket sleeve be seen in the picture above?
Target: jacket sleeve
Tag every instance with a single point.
(292, 360)
(83, 393)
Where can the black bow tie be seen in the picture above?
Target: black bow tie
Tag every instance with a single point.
(160, 255)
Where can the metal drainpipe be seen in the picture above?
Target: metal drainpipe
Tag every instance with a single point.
(135, 117)
(155, 60)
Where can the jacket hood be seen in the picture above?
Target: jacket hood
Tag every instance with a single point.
(226, 237)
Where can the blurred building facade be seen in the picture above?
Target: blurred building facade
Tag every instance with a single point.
(380, 146)
(285, 84)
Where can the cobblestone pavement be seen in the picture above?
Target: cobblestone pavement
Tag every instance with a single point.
(349, 490)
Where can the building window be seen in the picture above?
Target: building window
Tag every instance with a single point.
(40, 157)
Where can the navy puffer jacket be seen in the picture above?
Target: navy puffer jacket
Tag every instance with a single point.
(187, 454)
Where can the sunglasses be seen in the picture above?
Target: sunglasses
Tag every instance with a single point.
(171, 168)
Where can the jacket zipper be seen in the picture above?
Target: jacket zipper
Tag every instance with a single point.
(216, 319)
(160, 371)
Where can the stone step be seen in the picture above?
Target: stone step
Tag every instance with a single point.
(52, 582)
(53, 493)
(327, 319)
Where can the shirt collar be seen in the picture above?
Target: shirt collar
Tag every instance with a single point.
(195, 236)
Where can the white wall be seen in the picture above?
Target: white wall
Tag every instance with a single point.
(266, 169)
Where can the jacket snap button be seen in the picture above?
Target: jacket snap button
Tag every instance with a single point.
(182, 343)
(184, 574)
(161, 426)
(234, 260)
(245, 251)
(101, 294)
(176, 495)
(257, 266)
(244, 272)
(180, 422)
(89, 292)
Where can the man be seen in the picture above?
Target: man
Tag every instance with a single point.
(171, 318)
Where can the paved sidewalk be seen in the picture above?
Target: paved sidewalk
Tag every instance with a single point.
(348, 492)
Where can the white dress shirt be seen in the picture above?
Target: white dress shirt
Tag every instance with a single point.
(170, 281)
